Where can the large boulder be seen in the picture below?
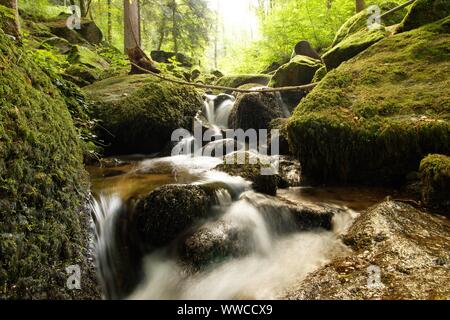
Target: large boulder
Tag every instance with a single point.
(399, 253)
(374, 119)
(423, 12)
(255, 110)
(44, 224)
(299, 71)
(235, 81)
(166, 212)
(435, 175)
(351, 46)
(139, 113)
(89, 32)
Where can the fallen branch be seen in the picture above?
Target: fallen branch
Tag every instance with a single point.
(397, 8)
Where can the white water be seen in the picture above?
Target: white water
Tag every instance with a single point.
(276, 257)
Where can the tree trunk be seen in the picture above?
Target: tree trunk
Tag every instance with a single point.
(174, 25)
(110, 23)
(11, 26)
(83, 8)
(132, 39)
(360, 5)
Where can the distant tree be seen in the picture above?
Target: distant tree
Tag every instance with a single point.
(11, 24)
(132, 38)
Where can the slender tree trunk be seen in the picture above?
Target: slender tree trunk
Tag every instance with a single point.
(11, 26)
(132, 39)
(360, 5)
(110, 23)
(83, 8)
(174, 26)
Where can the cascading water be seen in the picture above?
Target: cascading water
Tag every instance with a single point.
(268, 251)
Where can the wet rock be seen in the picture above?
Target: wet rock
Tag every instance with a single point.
(303, 48)
(407, 247)
(255, 111)
(141, 113)
(280, 124)
(216, 242)
(320, 74)
(249, 166)
(435, 176)
(299, 71)
(168, 211)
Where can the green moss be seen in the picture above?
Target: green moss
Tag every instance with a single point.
(358, 22)
(235, 81)
(435, 173)
(351, 46)
(141, 112)
(423, 12)
(320, 74)
(374, 119)
(42, 182)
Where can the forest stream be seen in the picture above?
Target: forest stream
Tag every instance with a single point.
(269, 255)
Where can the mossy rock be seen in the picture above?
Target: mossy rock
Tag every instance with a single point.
(423, 12)
(43, 185)
(140, 112)
(351, 46)
(280, 124)
(89, 32)
(299, 71)
(255, 110)
(320, 74)
(374, 119)
(251, 170)
(82, 75)
(167, 211)
(358, 22)
(87, 57)
(235, 81)
(61, 45)
(435, 174)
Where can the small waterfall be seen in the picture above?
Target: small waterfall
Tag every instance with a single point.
(272, 262)
(217, 110)
(105, 211)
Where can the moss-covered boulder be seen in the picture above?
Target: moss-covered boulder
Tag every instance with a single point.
(61, 45)
(86, 66)
(299, 71)
(139, 113)
(435, 174)
(255, 110)
(43, 185)
(280, 124)
(235, 81)
(89, 32)
(168, 211)
(374, 119)
(351, 46)
(423, 12)
(358, 22)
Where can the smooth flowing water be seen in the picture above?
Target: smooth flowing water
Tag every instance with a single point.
(273, 254)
